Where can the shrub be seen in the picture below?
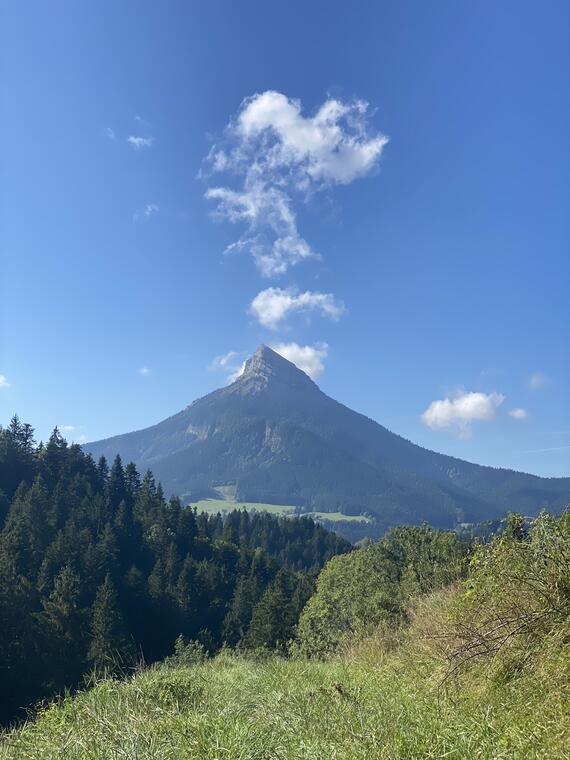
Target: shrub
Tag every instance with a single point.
(186, 654)
(517, 593)
(372, 586)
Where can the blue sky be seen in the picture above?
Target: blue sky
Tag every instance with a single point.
(426, 278)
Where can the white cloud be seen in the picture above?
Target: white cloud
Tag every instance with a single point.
(308, 358)
(142, 122)
(518, 413)
(4, 382)
(273, 239)
(149, 210)
(71, 432)
(236, 372)
(110, 133)
(537, 380)
(230, 363)
(272, 305)
(137, 142)
(279, 154)
(461, 411)
(223, 361)
(144, 370)
(331, 146)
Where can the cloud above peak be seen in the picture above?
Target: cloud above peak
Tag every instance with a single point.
(458, 413)
(272, 305)
(310, 359)
(4, 382)
(281, 157)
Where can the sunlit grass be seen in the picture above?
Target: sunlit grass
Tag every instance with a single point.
(213, 506)
(367, 705)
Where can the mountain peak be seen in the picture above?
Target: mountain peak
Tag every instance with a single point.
(266, 366)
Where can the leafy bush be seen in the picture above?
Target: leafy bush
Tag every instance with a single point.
(372, 586)
(517, 594)
(186, 654)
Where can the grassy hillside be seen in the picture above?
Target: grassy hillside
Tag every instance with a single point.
(369, 703)
(414, 647)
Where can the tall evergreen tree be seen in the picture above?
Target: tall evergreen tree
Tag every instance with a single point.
(110, 649)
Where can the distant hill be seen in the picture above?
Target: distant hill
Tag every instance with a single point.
(273, 436)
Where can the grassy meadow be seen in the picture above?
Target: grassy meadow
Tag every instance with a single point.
(384, 700)
(213, 506)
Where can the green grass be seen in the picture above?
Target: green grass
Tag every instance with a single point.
(367, 705)
(212, 506)
(338, 517)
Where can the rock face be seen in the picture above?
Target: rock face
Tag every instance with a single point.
(277, 438)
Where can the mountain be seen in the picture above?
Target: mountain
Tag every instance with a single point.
(275, 437)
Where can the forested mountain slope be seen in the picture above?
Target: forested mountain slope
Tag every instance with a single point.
(278, 438)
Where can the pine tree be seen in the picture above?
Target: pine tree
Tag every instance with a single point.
(62, 622)
(110, 650)
(116, 485)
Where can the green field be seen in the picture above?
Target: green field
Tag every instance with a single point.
(212, 506)
(338, 517)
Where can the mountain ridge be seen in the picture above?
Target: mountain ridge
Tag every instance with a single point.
(279, 439)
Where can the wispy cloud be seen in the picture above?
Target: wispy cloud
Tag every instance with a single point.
(458, 413)
(518, 413)
(272, 305)
(138, 142)
(280, 157)
(143, 123)
(231, 364)
(110, 133)
(144, 370)
(149, 210)
(72, 434)
(4, 382)
(537, 380)
(308, 358)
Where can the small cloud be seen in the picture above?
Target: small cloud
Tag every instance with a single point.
(229, 363)
(272, 305)
(137, 142)
(223, 361)
(461, 411)
(310, 359)
(149, 210)
(71, 432)
(110, 132)
(144, 370)
(237, 372)
(4, 382)
(537, 380)
(143, 122)
(518, 413)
